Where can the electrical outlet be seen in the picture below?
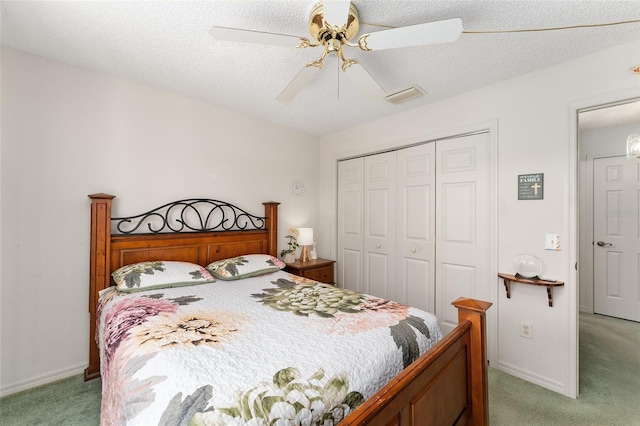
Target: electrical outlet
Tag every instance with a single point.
(526, 330)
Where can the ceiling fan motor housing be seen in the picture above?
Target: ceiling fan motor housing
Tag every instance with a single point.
(324, 31)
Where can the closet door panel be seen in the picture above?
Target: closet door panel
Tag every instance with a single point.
(414, 283)
(379, 224)
(377, 273)
(351, 224)
(455, 280)
(463, 222)
(377, 215)
(352, 270)
(419, 283)
(458, 214)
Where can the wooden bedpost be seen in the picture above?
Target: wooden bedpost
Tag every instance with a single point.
(271, 223)
(99, 263)
(474, 311)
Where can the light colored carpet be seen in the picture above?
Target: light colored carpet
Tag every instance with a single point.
(609, 383)
(67, 402)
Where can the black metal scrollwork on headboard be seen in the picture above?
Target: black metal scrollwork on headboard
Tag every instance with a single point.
(195, 214)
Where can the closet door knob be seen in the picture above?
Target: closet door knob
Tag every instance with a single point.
(413, 250)
(378, 246)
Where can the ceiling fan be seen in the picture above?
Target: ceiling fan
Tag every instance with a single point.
(333, 24)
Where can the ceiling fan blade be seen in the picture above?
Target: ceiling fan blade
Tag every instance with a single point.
(249, 36)
(336, 12)
(364, 81)
(299, 81)
(414, 35)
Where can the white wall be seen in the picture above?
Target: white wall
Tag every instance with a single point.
(69, 132)
(534, 136)
(603, 142)
(1, 204)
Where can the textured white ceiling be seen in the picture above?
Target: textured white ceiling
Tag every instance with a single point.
(167, 45)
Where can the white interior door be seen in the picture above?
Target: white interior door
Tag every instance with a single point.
(616, 231)
(415, 272)
(379, 224)
(351, 224)
(463, 223)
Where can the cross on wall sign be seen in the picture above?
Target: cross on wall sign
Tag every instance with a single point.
(531, 186)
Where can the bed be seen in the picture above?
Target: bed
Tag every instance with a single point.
(237, 372)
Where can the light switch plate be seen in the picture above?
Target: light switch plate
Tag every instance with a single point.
(552, 242)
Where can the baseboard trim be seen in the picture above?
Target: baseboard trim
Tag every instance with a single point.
(530, 377)
(42, 380)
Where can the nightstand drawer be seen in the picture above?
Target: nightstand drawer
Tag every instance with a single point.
(324, 275)
(320, 270)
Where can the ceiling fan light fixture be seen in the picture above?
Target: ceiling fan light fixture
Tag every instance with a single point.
(334, 24)
(406, 95)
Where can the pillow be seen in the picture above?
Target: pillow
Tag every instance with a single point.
(159, 274)
(249, 265)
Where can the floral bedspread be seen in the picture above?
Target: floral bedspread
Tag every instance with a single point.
(271, 350)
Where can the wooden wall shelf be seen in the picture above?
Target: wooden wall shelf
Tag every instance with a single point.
(509, 278)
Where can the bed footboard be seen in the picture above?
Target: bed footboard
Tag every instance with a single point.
(447, 385)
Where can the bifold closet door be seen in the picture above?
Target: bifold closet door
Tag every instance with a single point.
(379, 224)
(415, 244)
(463, 222)
(386, 225)
(367, 224)
(351, 224)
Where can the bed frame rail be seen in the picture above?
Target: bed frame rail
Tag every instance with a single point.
(447, 385)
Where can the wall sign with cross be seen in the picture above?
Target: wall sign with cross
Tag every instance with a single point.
(531, 186)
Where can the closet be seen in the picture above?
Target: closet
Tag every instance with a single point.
(414, 223)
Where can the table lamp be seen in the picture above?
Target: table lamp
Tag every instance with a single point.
(305, 239)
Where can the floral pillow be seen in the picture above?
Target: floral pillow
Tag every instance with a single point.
(249, 265)
(159, 274)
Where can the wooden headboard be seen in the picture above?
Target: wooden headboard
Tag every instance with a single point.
(242, 233)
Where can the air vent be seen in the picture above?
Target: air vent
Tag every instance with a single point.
(405, 95)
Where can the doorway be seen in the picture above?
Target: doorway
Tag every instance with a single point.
(608, 211)
(601, 135)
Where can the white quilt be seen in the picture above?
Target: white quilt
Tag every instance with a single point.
(271, 350)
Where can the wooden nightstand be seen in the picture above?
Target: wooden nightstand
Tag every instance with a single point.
(319, 269)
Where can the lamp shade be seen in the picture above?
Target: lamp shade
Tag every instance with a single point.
(305, 236)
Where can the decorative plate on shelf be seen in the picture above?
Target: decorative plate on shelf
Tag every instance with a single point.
(297, 188)
(527, 266)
